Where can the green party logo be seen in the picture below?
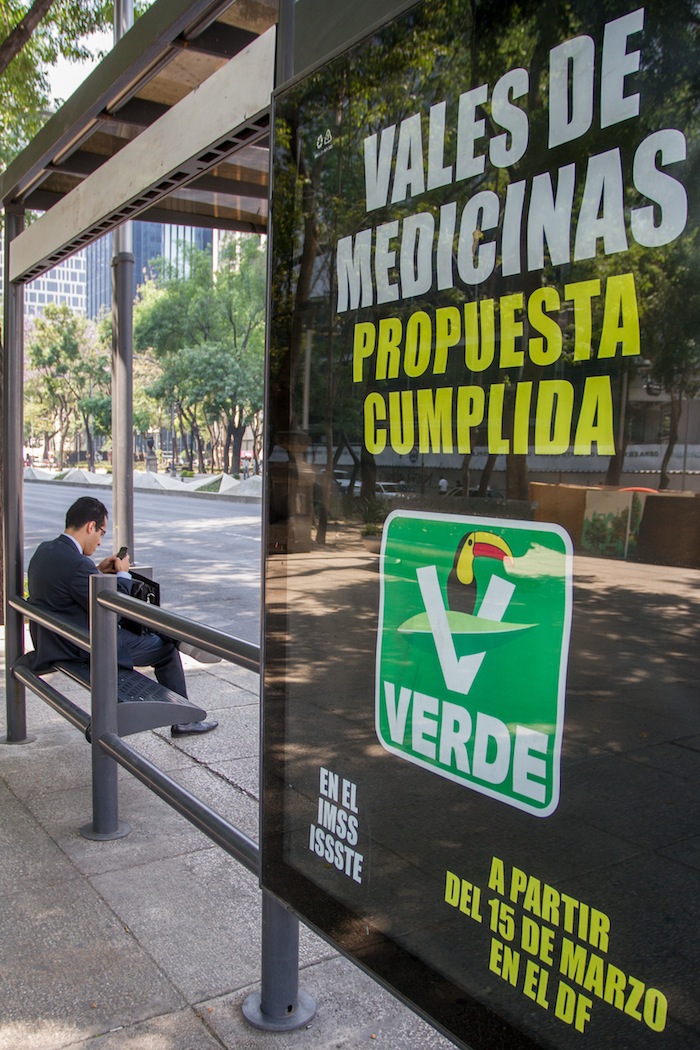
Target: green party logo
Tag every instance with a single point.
(474, 624)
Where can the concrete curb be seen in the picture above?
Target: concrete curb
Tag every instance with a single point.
(227, 497)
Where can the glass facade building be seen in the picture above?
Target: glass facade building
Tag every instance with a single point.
(152, 241)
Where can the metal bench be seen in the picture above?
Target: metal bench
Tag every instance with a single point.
(142, 703)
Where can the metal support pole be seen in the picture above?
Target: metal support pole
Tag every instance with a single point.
(279, 1006)
(285, 42)
(123, 356)
(13, 482)
(103, 687)
(122, 394)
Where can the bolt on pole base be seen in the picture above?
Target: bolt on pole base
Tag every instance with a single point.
(88, 832)
(28, 739)
(303, 1015)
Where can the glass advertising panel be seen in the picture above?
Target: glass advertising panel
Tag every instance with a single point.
(481, 717)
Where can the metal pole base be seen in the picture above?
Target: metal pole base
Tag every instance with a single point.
(28, 739)
(304, 1013)
(122, 831)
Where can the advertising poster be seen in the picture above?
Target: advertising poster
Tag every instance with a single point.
(481, 703)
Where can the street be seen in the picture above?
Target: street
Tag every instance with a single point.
(204, 553)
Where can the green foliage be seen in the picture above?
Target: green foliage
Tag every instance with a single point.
(68, 378)
(204, 333)
(25, 101)
(100, 408)
(373, 510)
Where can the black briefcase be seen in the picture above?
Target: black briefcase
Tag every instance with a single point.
(146, 591)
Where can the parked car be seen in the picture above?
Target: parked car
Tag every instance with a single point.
(390, 489)
(342, 480)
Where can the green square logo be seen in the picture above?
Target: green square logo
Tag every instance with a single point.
(474, 625)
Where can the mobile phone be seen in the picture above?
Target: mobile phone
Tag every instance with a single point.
(122, 552)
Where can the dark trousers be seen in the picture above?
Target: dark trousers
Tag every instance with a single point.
(150, 650)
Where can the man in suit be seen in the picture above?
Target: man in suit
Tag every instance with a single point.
(59, 581)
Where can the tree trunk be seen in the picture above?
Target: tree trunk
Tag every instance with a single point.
(676, 409)
(486, 473)
(326, 482)
(516, 477)
(226, 459)
(613, 474)
(16, 40)
(2, 483)
(90, 444)
(237, 440)
(200, 448)
(214, 442)
(63, 434)
(369, 475)
(255, 427)
(184, 446)
(464, 473)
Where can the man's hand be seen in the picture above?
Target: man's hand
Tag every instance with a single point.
(122, 564)
(113, 564)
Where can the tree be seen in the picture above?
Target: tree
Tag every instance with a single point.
(673, 313)
(68, 377)
(19, 37)
(33, 38)
(206, 332)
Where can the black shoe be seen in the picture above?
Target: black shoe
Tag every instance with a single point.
(193, 727)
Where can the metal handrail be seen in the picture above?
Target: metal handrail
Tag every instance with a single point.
(219, 830)
(236, 650)
(246, 654)
(51, 696)
(76, 635)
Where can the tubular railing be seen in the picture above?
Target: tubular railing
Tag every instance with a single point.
(280, 1005)
(237, 651)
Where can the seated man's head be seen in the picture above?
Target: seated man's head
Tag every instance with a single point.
(86, 520)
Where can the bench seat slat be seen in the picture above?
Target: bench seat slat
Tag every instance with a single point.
(143, 704)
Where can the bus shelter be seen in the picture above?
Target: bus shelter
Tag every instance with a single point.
(480, 706)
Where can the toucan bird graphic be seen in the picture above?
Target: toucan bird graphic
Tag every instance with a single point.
(478, 594)
(464, 586)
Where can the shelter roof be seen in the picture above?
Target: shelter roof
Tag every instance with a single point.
(170, 52)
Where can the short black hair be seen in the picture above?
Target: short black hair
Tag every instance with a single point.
(86, 509)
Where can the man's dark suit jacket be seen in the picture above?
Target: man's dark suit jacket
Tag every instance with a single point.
(59, 582)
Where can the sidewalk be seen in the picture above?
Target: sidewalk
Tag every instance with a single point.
(152, 941)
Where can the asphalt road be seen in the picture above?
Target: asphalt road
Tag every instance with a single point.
(204, 553)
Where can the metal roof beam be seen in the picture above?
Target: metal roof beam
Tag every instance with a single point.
(42, 200)
(209, 222)
(217, 41)
(229, 187)
(81, 164)
(137, 112)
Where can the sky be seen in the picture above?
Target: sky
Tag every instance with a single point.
(65, 77)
